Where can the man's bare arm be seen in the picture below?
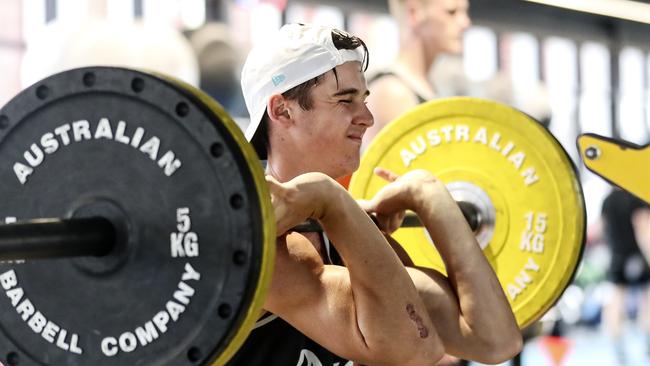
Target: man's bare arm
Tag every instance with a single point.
(468, 308)
(486, 329)
(369, 312)
(641, 227)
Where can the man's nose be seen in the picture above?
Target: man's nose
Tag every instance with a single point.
(464, 20)
(365, 117)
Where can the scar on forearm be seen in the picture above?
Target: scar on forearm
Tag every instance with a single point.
(413, 315)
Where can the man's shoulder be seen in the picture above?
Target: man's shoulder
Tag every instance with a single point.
(295, 275)
(390, 85)
(389, 97)
(298, 246)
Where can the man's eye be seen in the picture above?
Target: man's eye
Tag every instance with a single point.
(346, 101)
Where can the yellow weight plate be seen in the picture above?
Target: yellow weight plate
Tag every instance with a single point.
(248, 317)
(619, 162)
(517, 175)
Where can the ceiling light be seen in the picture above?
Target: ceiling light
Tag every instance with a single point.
(623, 9)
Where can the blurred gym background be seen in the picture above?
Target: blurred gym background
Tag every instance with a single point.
(581, 66)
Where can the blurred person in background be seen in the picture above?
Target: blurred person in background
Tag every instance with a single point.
(97, 41)
(219, 63)
(625, 223)
(427, 29)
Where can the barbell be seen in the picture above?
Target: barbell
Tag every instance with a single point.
(139, 229)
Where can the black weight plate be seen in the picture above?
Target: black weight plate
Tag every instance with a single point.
(166, 169)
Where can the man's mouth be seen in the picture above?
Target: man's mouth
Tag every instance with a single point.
(356, 136)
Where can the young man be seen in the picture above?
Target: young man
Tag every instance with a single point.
(345, 294)
(427, 29)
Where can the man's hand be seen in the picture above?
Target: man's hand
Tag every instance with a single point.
(389, 205)
(299, 199)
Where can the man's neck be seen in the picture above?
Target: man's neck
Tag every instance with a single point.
(280, 171)
(284, 170)
(413, 56)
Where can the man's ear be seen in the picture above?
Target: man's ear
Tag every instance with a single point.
(278, 109)
(413, 12)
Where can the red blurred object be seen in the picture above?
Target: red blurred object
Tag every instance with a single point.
(280, 4)
(345, 181)
(556, 348)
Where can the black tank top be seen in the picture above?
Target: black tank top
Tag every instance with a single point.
(617, 211)
(421, 99)
(275, 342)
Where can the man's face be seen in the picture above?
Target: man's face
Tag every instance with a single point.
(328, 136)
(442, 25)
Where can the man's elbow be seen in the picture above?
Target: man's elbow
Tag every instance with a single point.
(501, 348)
(426, 355)
(510, 343)
(418, 352)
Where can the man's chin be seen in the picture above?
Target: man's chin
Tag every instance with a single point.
(348, 170)
(353, 169)
(457, 47)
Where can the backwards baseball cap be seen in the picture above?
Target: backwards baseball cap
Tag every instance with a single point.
(295, 54)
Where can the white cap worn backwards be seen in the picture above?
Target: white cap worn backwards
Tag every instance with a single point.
(295, 54)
